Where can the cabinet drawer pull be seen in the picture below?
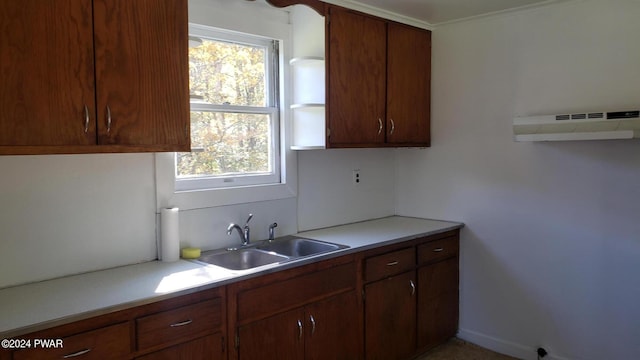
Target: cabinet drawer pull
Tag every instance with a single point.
(299, 329)
(438, 250)
(392, 263)
(86, 119)
(108, 119)
(183, 323)
(78, 353)
(313, 324)
(413, 287)
(379, 126)
(393, 126)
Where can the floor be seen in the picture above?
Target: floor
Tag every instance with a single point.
(456, 349)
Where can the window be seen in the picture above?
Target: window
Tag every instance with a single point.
(235, 125)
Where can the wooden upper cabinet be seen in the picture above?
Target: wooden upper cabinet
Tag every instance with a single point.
(408, 85)
(379, 79)
(55, 97)
(356, 79)
(46, 72)
(141, 72)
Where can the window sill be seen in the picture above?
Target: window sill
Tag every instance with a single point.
(200, 199)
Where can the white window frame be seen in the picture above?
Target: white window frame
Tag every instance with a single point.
(271, 109)
(166, 193)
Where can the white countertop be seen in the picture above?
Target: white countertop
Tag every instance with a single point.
(378, 232)
(37, 306)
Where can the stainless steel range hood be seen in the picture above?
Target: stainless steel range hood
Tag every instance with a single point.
(578, 126)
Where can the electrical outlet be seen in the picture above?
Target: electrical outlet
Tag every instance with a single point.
(356, 177)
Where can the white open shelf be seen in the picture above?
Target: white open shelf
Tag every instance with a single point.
(307, 105)
(307, 61)
(308, 120)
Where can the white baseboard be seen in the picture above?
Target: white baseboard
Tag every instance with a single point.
(503, 346)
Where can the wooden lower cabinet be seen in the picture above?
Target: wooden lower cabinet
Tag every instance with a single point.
(408, 313)
(437, 303)
(110, 342)
(180, 324)
(323, 330)
(332, 330)
(309, 312)
(276, 337)
(390, 317)
(187, 327)
(387, 303)
(206, 348)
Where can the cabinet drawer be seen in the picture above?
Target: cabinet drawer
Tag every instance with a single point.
(111, 342)
(438, 250)
(284, 295)
(388, 264)
(209, 347)
(179, 324)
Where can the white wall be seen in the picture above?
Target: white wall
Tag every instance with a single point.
(207, 228)
(65, 214)
(327, 195)
(550, 255)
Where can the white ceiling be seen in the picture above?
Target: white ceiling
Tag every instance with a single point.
(436, 12)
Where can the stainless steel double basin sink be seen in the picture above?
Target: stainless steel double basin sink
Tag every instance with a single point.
(281, 250)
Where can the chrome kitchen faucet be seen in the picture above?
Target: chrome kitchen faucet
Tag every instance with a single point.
(244, 233)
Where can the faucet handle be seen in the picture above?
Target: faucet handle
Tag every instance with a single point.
(249, 219)
(271, 231)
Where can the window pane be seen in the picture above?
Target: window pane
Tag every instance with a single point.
(228, 73)
(227, 144)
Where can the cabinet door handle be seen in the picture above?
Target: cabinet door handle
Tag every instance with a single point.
(413, 287)
(313, 324)
(438, 250)
(183, 323)
(393, 126)
(299, 329)
(108, 119)
(78, 353)
(392, 263)
(379, 126)
(86, 119)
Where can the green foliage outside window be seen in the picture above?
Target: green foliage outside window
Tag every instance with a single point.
(227, 142)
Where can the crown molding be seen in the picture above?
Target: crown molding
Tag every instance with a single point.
(371, 10)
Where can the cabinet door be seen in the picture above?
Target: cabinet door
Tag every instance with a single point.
(277, 337)
(206, 348)
(142, 73)
(332, 330)
(46, 53)
(356, 79)
(437, 303)
(408, 85)
(390, 318)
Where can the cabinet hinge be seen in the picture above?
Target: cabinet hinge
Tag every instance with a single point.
(328, 132)
(237, 340)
